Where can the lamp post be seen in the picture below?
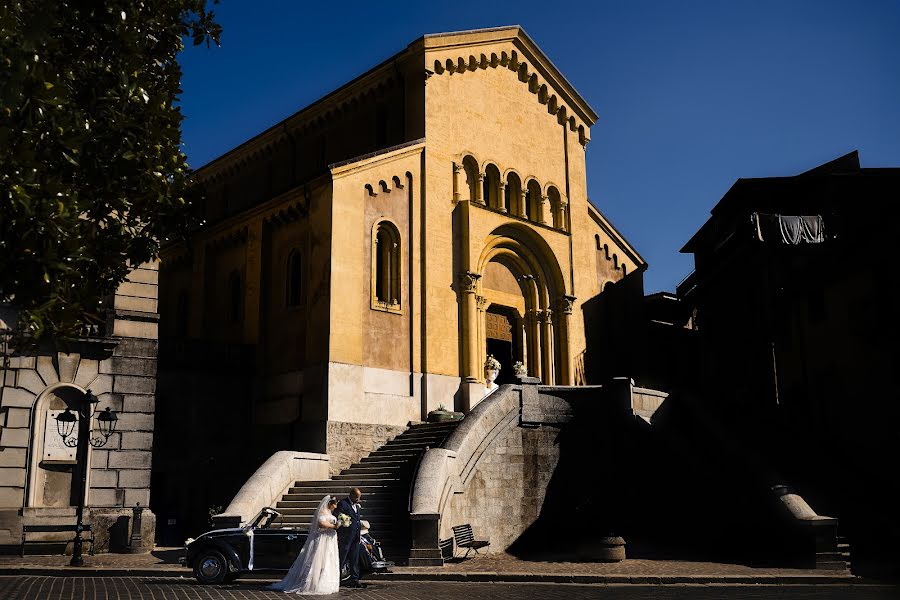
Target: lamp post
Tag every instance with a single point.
(65, 425)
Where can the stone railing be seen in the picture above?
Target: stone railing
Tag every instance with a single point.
(270, 482)
(444, 470)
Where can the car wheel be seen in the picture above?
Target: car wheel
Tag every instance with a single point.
(211, 567)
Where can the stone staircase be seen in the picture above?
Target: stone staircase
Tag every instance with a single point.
(384, 477)
(843, 548)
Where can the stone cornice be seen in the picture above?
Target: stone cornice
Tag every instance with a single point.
(388, 155)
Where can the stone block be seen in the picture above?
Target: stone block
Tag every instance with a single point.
(13, 457)
(129, 459)
(147, 276)
(136, 347)
(143, 367)
(128, 384)
(8, 377)
(147, 305)
(103, 384)
(135, 422)
(106, 497)
(134, 478)
(12, 477)
(137, 290)
(22, 362)
(103, 478)
(68, 366)
(146, 404)
(17, 417)
(88, 370)
(135, 329)
(12, 496)
(134, 496)
(14, 438)
(132, 440)
(113, 401)
(17, 397)
(99, 459)
(31, 381)
(46, 370)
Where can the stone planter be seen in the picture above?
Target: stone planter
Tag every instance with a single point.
(604, 549)
(489, 376)
(440, 416)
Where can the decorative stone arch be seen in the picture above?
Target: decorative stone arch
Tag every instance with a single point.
(467, 178)
(547, 304)
(534, 199)
(558, 207)
(57, 396)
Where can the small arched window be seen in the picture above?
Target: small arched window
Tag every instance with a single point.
(624, 269)
(235, 297)
(294, 281)
(182, 314)
(597, 240)
(386, 266)
(615, 261)
(606, 251)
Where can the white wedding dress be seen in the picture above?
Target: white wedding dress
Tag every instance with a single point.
(317, 569)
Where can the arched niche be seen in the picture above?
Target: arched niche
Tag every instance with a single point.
(53, 475)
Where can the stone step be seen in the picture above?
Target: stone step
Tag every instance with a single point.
(387, 460)
(317, 497)
(313, 504)
(367, 477)
(342, 486)
(408, 446)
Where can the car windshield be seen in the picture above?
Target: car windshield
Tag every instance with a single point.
(264, 518)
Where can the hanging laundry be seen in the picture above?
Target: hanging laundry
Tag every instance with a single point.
(789, 229)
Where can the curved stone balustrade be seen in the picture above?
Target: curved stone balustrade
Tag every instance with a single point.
(269, 482)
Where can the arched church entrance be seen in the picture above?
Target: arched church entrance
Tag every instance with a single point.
(514, 306)
(503, 339)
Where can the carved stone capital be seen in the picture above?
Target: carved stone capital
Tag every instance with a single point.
(565, 304)
(545, 316)
(457, 168)
(481, 302)
(468, 281)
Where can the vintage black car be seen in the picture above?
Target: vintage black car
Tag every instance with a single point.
(223, 555)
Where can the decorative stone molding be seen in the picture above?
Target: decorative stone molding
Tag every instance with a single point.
(565, 304)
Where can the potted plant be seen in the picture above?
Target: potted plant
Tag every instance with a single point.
(491, 370)
(442, 414)
(520, 370)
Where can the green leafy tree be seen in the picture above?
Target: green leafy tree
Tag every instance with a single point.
(92, 177)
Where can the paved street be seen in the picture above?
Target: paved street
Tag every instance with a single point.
(128, 588)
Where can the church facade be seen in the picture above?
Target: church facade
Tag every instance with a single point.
(360, 260)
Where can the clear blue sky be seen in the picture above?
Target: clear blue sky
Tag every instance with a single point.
(691, 95)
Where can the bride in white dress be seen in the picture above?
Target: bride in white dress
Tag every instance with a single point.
(316, 570)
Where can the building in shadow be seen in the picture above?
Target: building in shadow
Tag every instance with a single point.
(792, 296)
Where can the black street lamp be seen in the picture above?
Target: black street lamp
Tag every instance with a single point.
(65, 425)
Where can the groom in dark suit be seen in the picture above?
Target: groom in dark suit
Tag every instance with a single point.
(348, 537)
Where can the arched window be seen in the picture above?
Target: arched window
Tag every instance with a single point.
(533, 200)
(513, 191)
(294, 281)
(182, 314)
(470, 167)
(235, 297)
(491, 192)
(556, 209)
(386, 266)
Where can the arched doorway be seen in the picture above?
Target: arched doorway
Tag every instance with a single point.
(503, 339)
(518, 285)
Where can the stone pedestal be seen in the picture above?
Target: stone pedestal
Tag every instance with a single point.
(425, 550)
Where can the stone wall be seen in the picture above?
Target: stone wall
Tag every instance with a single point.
(118, 365)
(505, 492)
(347, 443)
(645, 402)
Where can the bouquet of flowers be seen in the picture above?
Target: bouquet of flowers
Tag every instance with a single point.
(519, 369)
(343, 520)
(491, 363)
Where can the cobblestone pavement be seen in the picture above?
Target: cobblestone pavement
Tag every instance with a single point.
(128, 588)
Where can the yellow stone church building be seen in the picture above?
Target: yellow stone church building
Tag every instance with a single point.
(359, 261)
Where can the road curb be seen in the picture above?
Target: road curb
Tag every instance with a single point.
(482, 577)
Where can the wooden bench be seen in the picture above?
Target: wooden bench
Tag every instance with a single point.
(466, 539)
(26, 529)
(446, 547)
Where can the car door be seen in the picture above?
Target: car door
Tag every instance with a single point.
(271, 549)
